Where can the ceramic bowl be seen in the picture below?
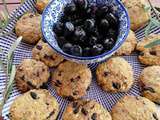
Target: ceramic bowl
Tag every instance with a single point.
(53, 13)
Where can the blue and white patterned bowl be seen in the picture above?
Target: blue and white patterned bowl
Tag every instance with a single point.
(54, 11)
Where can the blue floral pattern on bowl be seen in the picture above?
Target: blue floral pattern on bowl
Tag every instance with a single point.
(53, 13)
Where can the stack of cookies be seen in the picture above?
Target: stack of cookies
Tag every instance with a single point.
(71, 80)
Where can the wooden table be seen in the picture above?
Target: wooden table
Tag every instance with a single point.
(12, 4)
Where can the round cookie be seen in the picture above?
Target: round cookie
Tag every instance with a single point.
(43, 52)
(150, 81)
(137, 13)
(129, 45)
(86, 110)
(71, 80)
(29, 27)
(149, 56)
(34, 105)
(134, 108)
(115, 75)
(31, 74)
(41, 4)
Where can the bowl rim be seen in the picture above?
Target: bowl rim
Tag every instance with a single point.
(110, 52)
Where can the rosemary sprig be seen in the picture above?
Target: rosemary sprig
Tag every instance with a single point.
(11, 54)
(22, 1)
(4, 20)
(152, 22)
(154, 10)
(152, 44)
(158, 9)
(10, 72)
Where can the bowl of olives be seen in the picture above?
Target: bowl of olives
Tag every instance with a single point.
(85, 31)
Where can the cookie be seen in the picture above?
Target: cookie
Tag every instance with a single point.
(43, 52)
(71, 80)
(150, 81)
(34, 105)
(41, 4)
(134, 108)
(86, 110)
(29, 27)
(129, 45)
(31, 74)
(149, 56)
(115, 75)
(137, 13)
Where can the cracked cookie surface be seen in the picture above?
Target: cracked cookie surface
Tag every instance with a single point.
(134, 108)
(150, 81)
(43, 52)
(34, 105)
(129, 45)
(149, 56)
(137, 13)
(29, 27)
(86, 110)
(115, 75)
(31, 74)
(71, 80)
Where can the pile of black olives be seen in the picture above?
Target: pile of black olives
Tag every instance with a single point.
(87, 29)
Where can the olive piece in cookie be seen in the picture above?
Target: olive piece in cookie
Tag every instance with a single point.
(29, 68)
(29, 27)
(34, 105)
(115, 75)
(94, 116)
(131, 104)
(150, 83)
(150, 56)
(137, 13)
(85, 110)
(75, 80)
(43, 52)
(33, 95)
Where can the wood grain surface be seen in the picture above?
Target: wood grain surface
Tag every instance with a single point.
(12, 4)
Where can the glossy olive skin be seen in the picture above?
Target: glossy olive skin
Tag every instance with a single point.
(87, 28)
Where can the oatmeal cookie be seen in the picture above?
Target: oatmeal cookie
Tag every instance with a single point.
(71, 80)
(34, 105)
(29, 27)
(115, 75)
(31, 74)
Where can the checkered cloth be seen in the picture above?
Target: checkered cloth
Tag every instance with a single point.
(95, 92)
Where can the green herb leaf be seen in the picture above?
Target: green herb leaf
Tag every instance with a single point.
(10, 82)
(10, 54)
(157, 8)
(152, 44)
(22, 1)
(11, 71)
(147, 29)
(1, 50)
(6, 9)
(1, 65)
(146, 8)
(155, 21)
